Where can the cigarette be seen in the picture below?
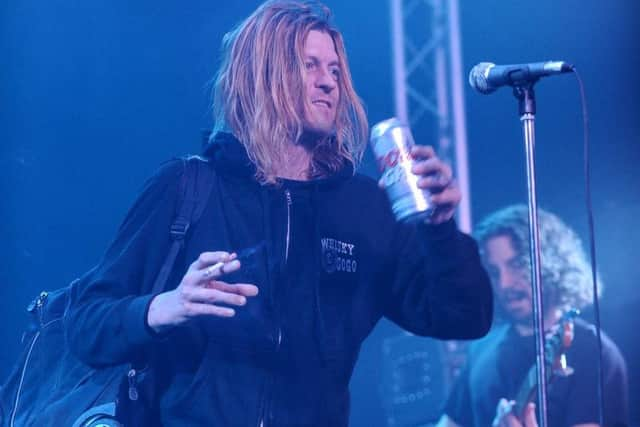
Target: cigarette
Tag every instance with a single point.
(212, 268)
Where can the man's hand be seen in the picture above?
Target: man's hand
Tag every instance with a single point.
(200, 293)
(506, 418)
(437, 178)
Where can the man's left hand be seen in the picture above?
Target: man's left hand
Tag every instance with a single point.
(437, 178)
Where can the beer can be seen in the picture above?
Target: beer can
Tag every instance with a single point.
(391, 141)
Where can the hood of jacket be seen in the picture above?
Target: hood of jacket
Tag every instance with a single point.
(230, 158)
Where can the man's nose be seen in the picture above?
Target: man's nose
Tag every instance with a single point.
(505, 279)
(325, 80)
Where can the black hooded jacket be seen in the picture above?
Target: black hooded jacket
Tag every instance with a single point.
(329, 260)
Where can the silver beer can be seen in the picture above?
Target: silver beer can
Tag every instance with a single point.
(391, 141)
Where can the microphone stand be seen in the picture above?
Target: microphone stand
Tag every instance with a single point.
(527, 109)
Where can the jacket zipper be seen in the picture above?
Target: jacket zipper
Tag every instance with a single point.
(287, 194)
(36, 304)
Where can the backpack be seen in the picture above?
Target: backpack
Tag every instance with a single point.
(50, 386)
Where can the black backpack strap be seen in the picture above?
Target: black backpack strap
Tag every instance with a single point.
(197, 183)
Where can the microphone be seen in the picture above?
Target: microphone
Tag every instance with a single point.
(487, 77)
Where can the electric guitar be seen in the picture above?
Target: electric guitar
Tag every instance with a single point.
(555, 348)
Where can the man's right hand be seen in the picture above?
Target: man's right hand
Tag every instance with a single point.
(200, 292)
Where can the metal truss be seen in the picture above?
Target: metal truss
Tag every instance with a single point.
(428, 83)
(429, 94)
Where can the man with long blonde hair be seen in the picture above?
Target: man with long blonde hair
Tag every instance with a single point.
(296, 256)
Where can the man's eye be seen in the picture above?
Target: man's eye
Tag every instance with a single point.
(517, 264)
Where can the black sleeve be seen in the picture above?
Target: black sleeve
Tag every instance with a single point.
(107, 320)
(440, 288)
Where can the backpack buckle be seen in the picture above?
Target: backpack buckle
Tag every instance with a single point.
(179, 228)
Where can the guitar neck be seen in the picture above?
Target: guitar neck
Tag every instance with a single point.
(528, 389)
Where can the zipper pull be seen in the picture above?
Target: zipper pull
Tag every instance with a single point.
(36, 306)
(287, 194)
(38, 302)
(133, 386)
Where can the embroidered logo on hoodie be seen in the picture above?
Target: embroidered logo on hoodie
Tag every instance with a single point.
(338, 256)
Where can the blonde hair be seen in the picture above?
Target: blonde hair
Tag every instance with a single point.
(258, 93)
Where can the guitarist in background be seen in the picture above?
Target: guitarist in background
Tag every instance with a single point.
(498, 364)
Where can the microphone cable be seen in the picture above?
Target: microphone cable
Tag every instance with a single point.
(592, 243)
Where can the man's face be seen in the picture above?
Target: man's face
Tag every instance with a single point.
(510, 278)
(322, 91)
